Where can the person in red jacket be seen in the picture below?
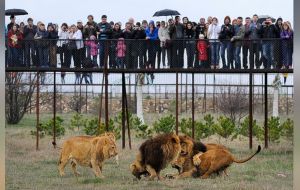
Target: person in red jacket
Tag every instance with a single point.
(14, 44)
(202, 52)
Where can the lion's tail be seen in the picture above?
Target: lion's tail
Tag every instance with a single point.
(246, 159)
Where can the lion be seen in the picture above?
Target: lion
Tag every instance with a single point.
(216, 160)
(87, 151)
(189, 148)
(111, 135)
(155, 154)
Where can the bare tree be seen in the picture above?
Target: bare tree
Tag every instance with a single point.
(19, 89)
(233, 102)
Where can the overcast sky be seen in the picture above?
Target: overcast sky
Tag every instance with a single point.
(58, 11)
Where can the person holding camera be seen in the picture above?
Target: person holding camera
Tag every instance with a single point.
(164, 37)
(225, 35)
(255, 43)
(89, 30)
(268, 31)
(29, 32)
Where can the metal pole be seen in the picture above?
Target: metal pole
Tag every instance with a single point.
(54, 112)
(193, 107)
(287, 101)
(266, 111)
(176, 103)
(106, 86)
(100, 104)
(127, 119)
(37, 110)
(86, 98)
(186, 89)
(214, 93)
(181, 93)
(155, 99)
(123, 110)
(204, 99)
(250, 109)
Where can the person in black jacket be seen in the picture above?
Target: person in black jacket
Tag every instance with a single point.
(139, 35)
(128, 36)
(268, 31)
(225, 35)
(189, 36)
(29, 33)
(53, 36)
(104, 32)
(115, 35)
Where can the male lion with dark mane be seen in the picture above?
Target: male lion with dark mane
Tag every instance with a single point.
(155, 154)
(87, 151)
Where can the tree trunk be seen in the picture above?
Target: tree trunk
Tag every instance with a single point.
(275, 102)
(139, 98)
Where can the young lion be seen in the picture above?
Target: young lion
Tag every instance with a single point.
(216, 160)
(87, 151)
(155, 154)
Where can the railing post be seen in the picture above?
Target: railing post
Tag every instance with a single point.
(266, 111)
(37, 106)
(176, 103)
(106, 84)
(193, 107)
(250, 108)
(123, 110)
(54, 112)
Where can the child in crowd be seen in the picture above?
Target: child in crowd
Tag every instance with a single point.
(202, 49)
(120, 50)
(93, 47)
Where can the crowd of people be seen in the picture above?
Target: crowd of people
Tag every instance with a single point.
(208, 44)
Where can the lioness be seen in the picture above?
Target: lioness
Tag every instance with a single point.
(189, 148)
(87, 151)
(216, 160)
(155, 154)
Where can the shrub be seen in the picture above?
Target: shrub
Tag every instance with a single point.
(142, 130)
(225, 127)
(288, 129)
(91, 128)
(165, 124)
(77, 120)
(201, 130)
(46, 128)
(243, 130)
(185, 126)
(275, 130)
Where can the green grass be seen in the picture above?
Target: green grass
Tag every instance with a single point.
(27, 168)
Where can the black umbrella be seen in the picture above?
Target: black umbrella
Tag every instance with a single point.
(15, 12)
(262, 18)
(166, 12)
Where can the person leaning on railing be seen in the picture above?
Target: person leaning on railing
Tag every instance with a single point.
(139, 35)
(128, 36)
(151, 36)
(116, 34)
(164, 37)
(14, 39)
(200, 29)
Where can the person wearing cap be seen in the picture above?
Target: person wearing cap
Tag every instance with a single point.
(29, 32)
(151, 37)
(104, 31)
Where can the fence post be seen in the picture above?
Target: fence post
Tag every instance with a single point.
(37, 109)
(250, 108)
(266, 111)
(193, 108)
(176, 103)
(106, 84)
(54, 112)
(186, 89)
(123, 110)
